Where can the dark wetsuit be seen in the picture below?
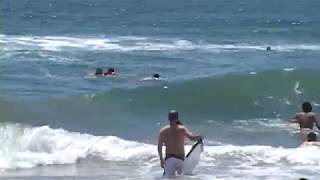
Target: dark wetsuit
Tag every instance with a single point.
(181, 157)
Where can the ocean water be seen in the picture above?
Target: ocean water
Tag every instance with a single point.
(59, 122)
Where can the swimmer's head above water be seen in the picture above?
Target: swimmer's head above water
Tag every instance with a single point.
(306, 107)
(156, 76)
(173, 117)
(110, 72)
(311, 137)
(98, 72)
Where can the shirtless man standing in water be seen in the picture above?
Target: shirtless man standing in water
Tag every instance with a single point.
(307, 118)
(172, 136)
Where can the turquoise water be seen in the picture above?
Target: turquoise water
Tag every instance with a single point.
(215, 71)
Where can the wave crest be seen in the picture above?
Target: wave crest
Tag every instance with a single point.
(26, 147)
(132, 43)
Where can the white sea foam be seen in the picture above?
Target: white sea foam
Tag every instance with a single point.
(132, 43)
(289, 69)
(257, 124)
(258, 155)
(26, 147)
(297, 88)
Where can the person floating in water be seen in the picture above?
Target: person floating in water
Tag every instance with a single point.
(311, 140)
(268, 48)
(110, 72)
(156, 76)
(306, 119)
(172, 136)
(99, 72)
(153, 77)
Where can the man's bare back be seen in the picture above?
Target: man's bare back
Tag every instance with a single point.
(173, 139)
(306, 118)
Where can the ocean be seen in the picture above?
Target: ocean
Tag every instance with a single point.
(57, 121)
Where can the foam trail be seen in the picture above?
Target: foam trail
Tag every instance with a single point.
(289, 69)
(131, 43)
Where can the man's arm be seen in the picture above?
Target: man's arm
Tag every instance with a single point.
(304, 144)
(189, 135)
(295, 119)
(316, 122)
(160, 144)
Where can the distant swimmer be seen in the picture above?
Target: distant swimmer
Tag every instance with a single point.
(110, 72)
(153, 77)
(99, 72)
(156, 76)
(172, 137)
(311, 140)
(307, 118)
(268, 48)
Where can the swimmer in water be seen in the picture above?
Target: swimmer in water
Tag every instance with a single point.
(99, 72)
(268, 48)
(110, 72)
(311, 140)
(156, 76)
(153, 77)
